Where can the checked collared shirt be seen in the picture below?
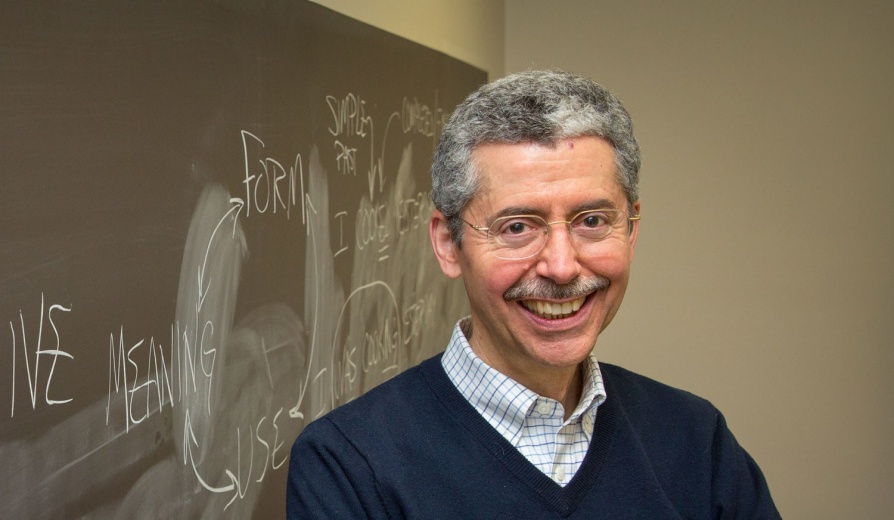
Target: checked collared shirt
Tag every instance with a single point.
(533, 424)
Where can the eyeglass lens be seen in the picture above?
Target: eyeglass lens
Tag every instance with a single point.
(522, 236)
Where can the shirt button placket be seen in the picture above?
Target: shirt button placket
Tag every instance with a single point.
(560, 475)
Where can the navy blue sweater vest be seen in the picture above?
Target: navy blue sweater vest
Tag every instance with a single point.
(415, 448)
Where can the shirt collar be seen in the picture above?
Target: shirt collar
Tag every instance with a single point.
(503, 402)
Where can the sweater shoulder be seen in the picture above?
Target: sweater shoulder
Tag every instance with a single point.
(387, 405)
(641, 394)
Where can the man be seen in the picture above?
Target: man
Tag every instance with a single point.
(535, 189)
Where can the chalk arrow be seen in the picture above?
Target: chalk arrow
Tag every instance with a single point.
(295, 412)
(236, 205)
(376, 166)
(188, 435)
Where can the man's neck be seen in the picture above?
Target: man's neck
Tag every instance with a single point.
(565, 385)
(566, 390)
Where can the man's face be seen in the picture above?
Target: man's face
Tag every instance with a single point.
(555, 183)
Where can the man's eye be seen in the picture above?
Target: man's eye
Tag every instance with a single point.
(516, 227)
(593, 220)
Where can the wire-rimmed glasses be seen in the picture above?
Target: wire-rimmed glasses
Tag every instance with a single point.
(516, 237)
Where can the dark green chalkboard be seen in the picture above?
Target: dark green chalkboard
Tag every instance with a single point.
(213, 229)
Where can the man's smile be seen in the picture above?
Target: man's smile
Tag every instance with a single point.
(553, 310)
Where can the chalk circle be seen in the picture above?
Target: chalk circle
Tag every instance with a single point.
(369, 332)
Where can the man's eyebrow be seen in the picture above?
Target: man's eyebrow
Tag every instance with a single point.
(594, 205)
(516, 210)
(530, 210)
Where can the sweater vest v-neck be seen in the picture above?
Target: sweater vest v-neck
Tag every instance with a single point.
(415, 448)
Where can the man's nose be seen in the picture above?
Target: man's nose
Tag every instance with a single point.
(558, 259)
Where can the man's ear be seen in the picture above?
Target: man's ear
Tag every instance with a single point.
(634, 232)
(442, 243)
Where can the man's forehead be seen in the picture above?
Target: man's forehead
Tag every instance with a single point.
(579, 173)
(592, 146)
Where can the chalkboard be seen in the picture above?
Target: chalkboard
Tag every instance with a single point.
(213, 229)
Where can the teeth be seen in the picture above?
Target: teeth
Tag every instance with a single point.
(553, 310)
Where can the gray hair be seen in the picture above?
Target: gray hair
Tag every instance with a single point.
(540, 107)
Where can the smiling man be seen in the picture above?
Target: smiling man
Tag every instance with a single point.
(535, 185)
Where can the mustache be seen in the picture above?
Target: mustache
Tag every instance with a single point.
(546, 289)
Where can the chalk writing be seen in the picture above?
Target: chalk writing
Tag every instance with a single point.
(195, 386)
(371, 225)
(413, 212)
(351, 122)
(39, 352)
(238, 481)
(276, 184)
(417, 117)
(416, 316)
(189, 359)
(207, 241)
(348, 116)
(340, 218)
(345, 158)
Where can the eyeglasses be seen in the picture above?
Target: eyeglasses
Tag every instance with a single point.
(517, 237)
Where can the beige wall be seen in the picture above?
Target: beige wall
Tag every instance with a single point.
(469, 30)
(764, 276)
